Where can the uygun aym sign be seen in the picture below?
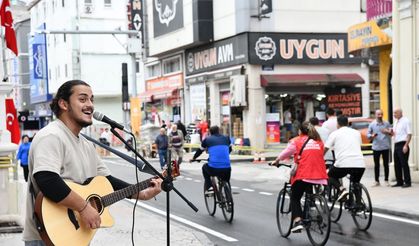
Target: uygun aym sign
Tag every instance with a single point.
(349, 100)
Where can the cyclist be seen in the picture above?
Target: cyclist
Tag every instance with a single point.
(308, 153)
(219, 148)
(346, 142)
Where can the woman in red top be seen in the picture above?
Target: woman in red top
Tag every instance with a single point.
(311, 168)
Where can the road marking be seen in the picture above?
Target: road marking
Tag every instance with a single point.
(185, 221)
(235, 187)
(265, 193)
(395, 218)
(189, 179)
(249, 190)
(197, 181)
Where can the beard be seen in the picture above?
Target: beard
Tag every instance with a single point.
(80, 122)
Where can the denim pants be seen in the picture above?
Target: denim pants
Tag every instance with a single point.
(162, 157)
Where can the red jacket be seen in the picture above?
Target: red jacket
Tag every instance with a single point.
(311, 164)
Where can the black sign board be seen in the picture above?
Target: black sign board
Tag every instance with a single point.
(299, 48)
(136, 20)
(167, 16)
(347, 99)
(265, 7)
(224, 53)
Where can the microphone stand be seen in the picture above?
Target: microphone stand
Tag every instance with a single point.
(167, 184)
(169, 174)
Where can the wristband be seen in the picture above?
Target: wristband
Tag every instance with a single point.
(85, 206)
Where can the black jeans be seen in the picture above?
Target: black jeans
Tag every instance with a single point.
(222, 173)
(297, 191)
(336, 173)
(401, 164)
(377, 154)
(25, 172)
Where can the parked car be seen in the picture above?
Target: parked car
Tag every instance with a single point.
(361, 124)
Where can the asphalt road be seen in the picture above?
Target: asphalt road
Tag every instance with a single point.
(254, 219)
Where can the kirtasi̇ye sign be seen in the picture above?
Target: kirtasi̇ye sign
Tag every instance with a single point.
(347, 99)
(299, 48)
(368, 35)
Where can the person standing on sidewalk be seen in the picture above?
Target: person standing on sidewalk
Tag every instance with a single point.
(60, 152)
(380, 137)
(176, 141)
(402, 134)
(22, 155)
(162, 142)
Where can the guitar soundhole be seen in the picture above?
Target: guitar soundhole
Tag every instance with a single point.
(96, 202)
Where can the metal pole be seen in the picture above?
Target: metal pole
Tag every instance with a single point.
(3, 53)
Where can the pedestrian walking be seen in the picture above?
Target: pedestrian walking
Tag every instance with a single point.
(162, 142)
(378, 133)
(22, 155)
(402, 134)
(176, 146)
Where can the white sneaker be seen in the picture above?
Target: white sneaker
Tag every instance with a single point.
(375, 184)
(343, 194)
(209, 192)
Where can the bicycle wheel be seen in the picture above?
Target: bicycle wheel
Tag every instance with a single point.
(283, 213)
(362, 214)
(210, 202)
(227, 204)
(335, 207)
(318, 229)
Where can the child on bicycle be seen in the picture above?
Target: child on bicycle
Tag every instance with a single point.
(308, 150)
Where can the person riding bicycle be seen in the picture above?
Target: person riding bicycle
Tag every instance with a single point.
(219, 148)
(308, 152)
(346, 142)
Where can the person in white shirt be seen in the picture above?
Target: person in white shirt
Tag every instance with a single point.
(331, 123)
(324, 134)
(346, 143)
(402, 134)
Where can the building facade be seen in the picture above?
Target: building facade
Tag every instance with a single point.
(244, 65)
(405, 68)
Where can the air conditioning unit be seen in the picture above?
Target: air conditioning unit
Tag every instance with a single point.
(88, 9)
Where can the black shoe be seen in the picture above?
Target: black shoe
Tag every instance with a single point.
(397, 185)
(406, 185)
(297, 227)
(343, 195)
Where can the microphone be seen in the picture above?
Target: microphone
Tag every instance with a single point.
(101, 117)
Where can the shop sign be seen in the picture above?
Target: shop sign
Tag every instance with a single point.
(377, 9)
(167, 16)
(213, 76)
(272, 128)
(136, 17)
(173, 81)
(299, 48)
(347, 99)
(368, 35)
(228, 52)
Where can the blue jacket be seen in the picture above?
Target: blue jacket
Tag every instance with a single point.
(23, 153)
(218, 150)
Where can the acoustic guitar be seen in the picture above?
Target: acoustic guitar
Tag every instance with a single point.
(62, 226)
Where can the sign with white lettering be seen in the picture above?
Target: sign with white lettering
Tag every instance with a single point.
(347, 99)
(167, 16)
(299, 48)
(228, 52)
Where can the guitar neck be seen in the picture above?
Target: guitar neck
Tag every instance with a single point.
(124, 193)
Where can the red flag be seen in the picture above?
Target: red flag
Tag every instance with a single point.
(7, 22)
(11, 120)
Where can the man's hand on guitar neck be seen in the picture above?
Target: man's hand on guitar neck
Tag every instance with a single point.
(150, 192)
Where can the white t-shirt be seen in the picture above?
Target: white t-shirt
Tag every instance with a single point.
(324, 135)
(331, 124)
(401, 129)
(346, 142)
(287, 117)
(56, 149)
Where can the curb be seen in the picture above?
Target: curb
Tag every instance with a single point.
(402, 214)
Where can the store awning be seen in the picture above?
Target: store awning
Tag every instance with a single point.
(310, 79)
(151, 95)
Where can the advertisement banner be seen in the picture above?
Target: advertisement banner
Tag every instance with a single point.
(198, 102)
(272, 128)
(167, 16)
(38, 67)
(347, 99)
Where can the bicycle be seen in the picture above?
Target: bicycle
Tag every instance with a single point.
(316, 215)
(361, 213)
(221, 194)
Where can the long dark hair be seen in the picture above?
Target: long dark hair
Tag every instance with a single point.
(64, 92)
(308, 129)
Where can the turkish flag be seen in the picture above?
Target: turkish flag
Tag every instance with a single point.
(12, 121)
(7, 22)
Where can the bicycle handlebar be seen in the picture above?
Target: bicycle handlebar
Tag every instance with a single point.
(279, 164)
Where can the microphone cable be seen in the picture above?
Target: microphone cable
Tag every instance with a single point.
(134, 142)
